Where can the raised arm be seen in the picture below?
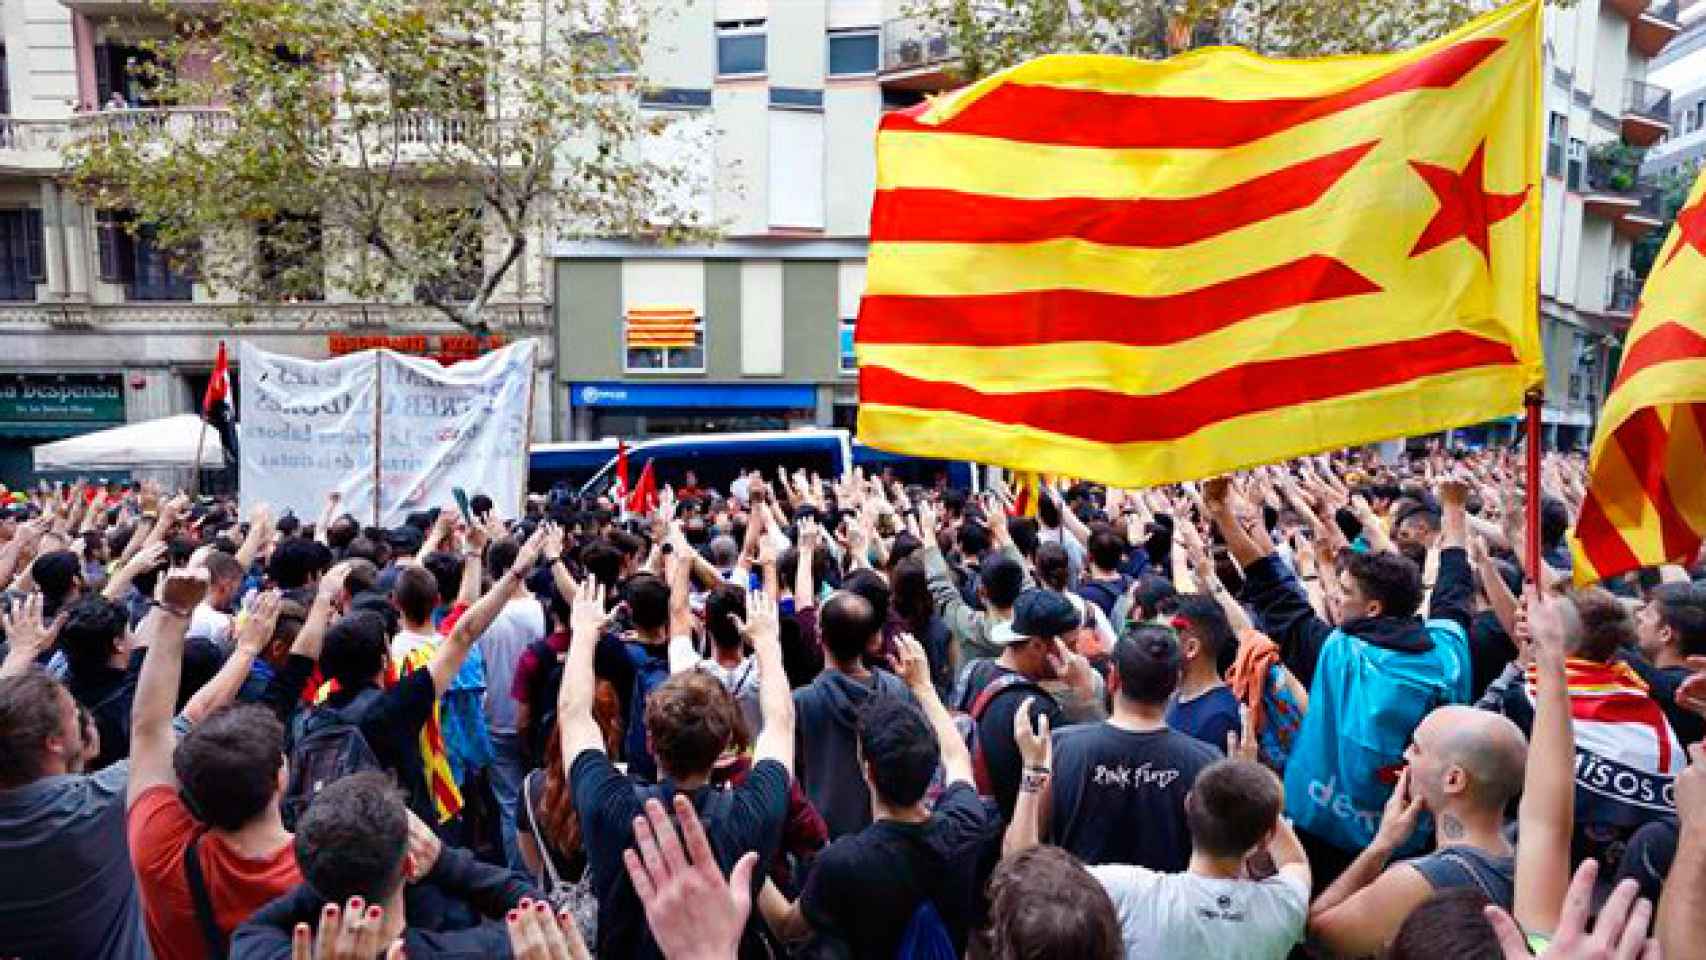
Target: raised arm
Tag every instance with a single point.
(147, 559)
(256, 633)
(260, 528)
(775, 699)
(1036, 751)
(577, 730)
(1546, 815)
(447, 660)
(1683, 901)
(912, 665)
(1217, 498)
(28, 637)
(163, 631)
(1454, 589)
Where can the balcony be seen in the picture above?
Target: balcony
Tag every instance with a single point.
(1656, 26)
(1646, 112)
(918, 56)
(1611, 189)
(178, 123)
(1623, 293)
(31, 146)
(1646, 217)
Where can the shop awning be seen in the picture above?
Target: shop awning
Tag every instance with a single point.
(167, 442)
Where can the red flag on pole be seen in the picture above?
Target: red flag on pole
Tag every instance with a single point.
(645, 495)
(218, 394)
(621, 468)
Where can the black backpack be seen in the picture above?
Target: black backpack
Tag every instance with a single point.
(326, 745)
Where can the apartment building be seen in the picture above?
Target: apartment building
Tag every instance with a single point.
(96, 327)
(1602, 106)
(1681, 68)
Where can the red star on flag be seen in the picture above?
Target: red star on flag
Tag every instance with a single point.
(1691, 229)
(1466, 209)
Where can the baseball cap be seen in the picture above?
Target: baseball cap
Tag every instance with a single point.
(1038, 613)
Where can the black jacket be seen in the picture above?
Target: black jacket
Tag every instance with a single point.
(457, 880)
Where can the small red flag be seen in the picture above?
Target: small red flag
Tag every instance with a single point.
(645, 495)
(622, 468)
(218, 386)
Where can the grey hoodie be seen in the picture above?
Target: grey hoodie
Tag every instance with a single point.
(826, 752)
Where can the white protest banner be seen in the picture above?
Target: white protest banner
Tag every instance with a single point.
(307, 429)
(310, 427)
(465, 425)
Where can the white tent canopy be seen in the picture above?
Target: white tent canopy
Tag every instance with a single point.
(154, 444)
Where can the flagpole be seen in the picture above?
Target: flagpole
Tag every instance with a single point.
(1531, 550)
(200, 441)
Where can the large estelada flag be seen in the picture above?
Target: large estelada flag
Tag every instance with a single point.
(1138, 272)
(1646, 500)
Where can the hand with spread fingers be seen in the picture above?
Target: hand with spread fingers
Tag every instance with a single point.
(350, 933)
(536, 934)
(694, 913)
(1619, 931)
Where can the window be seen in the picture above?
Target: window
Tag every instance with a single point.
(1557, 129)
(1578, 159)
(796, 169)
(21, 249)
(848, 363)
(675, 98)
(604, 52)
(853, 53)
(664, 338)
(740, 48)
(131, 256)
(126, 76)
(5, 85)
(290, 251)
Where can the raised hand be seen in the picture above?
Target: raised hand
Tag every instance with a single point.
(258, 627)
(589, 618)
(693, 911)
(534, 934)
(183, 589)
(910, 663)
(351, 933)
(26, 630)
(1036, 747)
(1619, 932)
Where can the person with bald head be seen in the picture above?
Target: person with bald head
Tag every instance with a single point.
(1463, 767)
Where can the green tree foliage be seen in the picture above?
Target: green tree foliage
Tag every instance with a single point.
(396, 150)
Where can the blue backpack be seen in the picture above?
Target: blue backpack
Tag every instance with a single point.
(926, 936)
(1364, 705)
(651, 669)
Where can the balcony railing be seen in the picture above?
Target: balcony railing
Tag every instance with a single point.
(913, 42)
(1624, 292)
(189, 123)
(1607, 175)
(1648, 100)
(1668, 11)
(32, 135)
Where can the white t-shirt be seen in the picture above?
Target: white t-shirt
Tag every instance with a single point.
(1205, 918)
(521, 622)
(207, 623)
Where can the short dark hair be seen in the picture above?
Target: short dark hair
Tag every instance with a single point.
(294, 562)
(1003, 580)
(354, 649)
(1023, 532)
(1606, 625)
(1422, 512)
(1231, 807)
(725, 601)
(1043, 903)
(871, 585)
(1147, 658)
(847, 623)
(360, 577)
(446, 569)
(1554, 522)
(340, 533)
(228, 765)
(603, 562)
(690, 718)
(500, 556)
(30, 713)
(1450, 923)
(1682, 608)
(899, 748)
(1153, 597)
(351, 841)
(222, 566)
(1389, 579)
(973, 539)
(648, 600)
(1106, 548)
(55, 574)
(92, 626)
(416, 593)
(1054, 567)
(1208, 623)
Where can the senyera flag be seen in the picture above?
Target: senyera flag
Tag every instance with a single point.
(1646, 500)
(1138, 272)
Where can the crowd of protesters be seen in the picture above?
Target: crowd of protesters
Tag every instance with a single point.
(1317, 709)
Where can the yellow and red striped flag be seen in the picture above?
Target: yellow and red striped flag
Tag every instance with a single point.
(662, 327)
(1646, 500)
(1139, 272)
(1027, 494)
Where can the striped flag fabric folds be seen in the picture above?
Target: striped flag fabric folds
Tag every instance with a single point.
(1139, 272)
(1646, 499)
(662, 327)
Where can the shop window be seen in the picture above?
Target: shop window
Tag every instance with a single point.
(853, 53)
(740, 48)
(848, 363)
(130, 255)
(664, 338)
(21, 254)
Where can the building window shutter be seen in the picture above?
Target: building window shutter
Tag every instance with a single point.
(35, 241)
(103, 74)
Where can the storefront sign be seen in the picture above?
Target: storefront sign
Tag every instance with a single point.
(617, 395)
(66, 398)
(445, 348)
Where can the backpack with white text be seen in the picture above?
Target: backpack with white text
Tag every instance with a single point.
(326, 745)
